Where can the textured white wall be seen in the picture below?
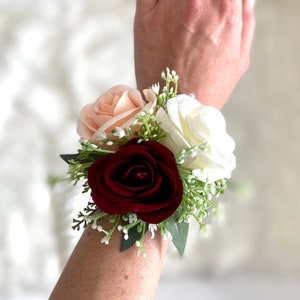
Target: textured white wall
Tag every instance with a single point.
(55, 56)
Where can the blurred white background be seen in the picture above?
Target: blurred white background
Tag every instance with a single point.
(56, 56)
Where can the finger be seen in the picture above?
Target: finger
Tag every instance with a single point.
(230, 10)
(145, 6)
(248, 25)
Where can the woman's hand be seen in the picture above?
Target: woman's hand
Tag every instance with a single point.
(207, 42)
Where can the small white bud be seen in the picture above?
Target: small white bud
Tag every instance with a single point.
(152, 229)
(118, 132)
(180, 162)
(100, 135)
(105, 240)
(155, 88)
(132, 218)
(167, 235)
(213, 190)
(192, 153)
(87, 219)
(197, 173)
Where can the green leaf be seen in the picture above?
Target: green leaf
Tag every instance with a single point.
(68, 157)
(179, 233)
(133, 236)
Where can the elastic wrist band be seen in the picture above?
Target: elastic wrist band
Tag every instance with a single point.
(150, 163)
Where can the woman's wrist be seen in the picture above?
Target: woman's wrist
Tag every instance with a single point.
(99, 271)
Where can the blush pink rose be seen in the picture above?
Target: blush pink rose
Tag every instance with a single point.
(114, 109)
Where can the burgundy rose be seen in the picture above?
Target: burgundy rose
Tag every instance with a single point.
(141, 178)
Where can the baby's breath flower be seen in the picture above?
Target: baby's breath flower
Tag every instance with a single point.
(152, 229)
(105, 240)
(213, 189)
(99, 228)
(167, 235)
(180, 161)
(197, 173)
(118, 132)
(191, 153)
(155, 88)
(169, 75)
(132, 218)
(100, 135)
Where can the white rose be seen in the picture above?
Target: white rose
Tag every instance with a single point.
(189, 123)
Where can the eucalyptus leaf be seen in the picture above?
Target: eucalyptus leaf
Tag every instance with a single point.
(179, 233)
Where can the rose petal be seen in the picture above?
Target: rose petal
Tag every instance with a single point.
(123, 104)
(119, 120)
(112, 179)
(176, 141)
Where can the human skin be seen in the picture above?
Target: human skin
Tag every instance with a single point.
(206, 42)
(100, 271)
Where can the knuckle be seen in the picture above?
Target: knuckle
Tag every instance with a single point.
(229, 14)
(193, 9)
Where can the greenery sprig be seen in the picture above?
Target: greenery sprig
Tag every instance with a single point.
(170, 88)
(149, 127)
(80, 162)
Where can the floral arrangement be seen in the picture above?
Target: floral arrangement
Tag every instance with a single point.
(150, 163)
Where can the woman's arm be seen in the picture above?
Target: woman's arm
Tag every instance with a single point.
(207, 42)
(99, 271)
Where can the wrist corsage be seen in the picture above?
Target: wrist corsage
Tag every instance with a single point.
(150, 164)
